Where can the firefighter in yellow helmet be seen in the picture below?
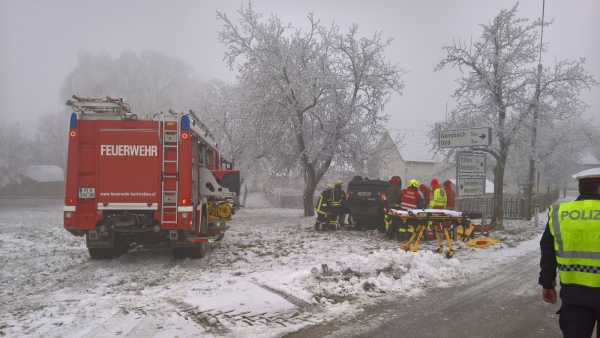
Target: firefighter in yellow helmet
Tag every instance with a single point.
(410, 199)
(323, 208)
(337, 205)
(570, 243)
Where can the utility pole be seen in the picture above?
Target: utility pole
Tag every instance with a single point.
(533, 153)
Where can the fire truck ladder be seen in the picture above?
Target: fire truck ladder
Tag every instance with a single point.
(170, 142)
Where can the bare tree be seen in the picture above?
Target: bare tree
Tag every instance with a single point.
(500, 91)
(221, 107)
(320, 93)
(51, 146)
(150, 82)
(15, 154)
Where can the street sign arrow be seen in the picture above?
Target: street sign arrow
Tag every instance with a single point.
(470, 163)
(474, 137)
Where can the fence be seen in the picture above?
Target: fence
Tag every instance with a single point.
(286, 200)
(514, 206)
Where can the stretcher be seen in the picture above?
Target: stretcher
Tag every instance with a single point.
(441, 220)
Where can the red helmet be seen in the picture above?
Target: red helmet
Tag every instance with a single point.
(394, 181)
(423, 187)
(435, 183)
(447, 184)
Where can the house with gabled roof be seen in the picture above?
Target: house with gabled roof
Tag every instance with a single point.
(412, 157)
(37, 181)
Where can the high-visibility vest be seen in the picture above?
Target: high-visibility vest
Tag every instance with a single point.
(409, 199)
(576, 230)
(438, 199)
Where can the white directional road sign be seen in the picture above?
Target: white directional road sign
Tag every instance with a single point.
(470, 187)
(471, 164)
(474, 137)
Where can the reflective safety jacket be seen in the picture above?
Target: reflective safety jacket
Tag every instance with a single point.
(438, 199)
(576, 230)
(324, 203)
(338, 197)
(411, 199)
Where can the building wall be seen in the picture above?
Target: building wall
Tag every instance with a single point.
(29, 188)
(420, 171)
(392, 164)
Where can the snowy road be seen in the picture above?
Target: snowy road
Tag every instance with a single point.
(504, 303)
(271, 275)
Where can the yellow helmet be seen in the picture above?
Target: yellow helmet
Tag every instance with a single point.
(338, 182)
(413, 183)
(329, 186)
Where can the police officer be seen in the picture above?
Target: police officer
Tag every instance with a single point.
(323, 208)
(571, 243)
(337, 205)
(410, 199)
(393, 194)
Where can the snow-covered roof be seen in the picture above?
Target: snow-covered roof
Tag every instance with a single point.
(589, 159)
(416, 146)
(45, 173)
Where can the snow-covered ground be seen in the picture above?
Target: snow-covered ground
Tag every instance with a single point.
(271, 274)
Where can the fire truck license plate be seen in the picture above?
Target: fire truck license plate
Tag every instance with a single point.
(85, 193)
(364, 193)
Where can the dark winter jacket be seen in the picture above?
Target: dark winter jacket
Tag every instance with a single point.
(393, 195)
(569, 293)
(339, 197)
(324, 202)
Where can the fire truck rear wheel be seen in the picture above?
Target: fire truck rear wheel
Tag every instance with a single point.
(199, 251)
(101, 253)
(180, 253)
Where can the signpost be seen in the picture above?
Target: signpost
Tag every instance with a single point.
(473, 137)
(470, 166)
(470, 187)
(470, 163)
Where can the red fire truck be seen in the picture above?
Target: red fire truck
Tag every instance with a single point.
(135, 179)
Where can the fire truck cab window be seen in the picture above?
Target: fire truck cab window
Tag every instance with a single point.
(201, 154)
(209, 162)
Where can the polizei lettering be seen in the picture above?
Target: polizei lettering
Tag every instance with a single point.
(128, 150)
(583, 215)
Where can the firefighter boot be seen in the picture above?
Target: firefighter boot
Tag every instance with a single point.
(317, 223)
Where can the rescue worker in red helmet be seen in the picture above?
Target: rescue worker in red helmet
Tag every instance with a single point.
(410, 199)
(393, 195)
(426, 192)
(323, 208)
(438, 200)
(451, 195)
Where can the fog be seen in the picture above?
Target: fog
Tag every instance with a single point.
(40, 40)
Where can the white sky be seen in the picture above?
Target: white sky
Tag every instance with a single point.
(39, 41)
